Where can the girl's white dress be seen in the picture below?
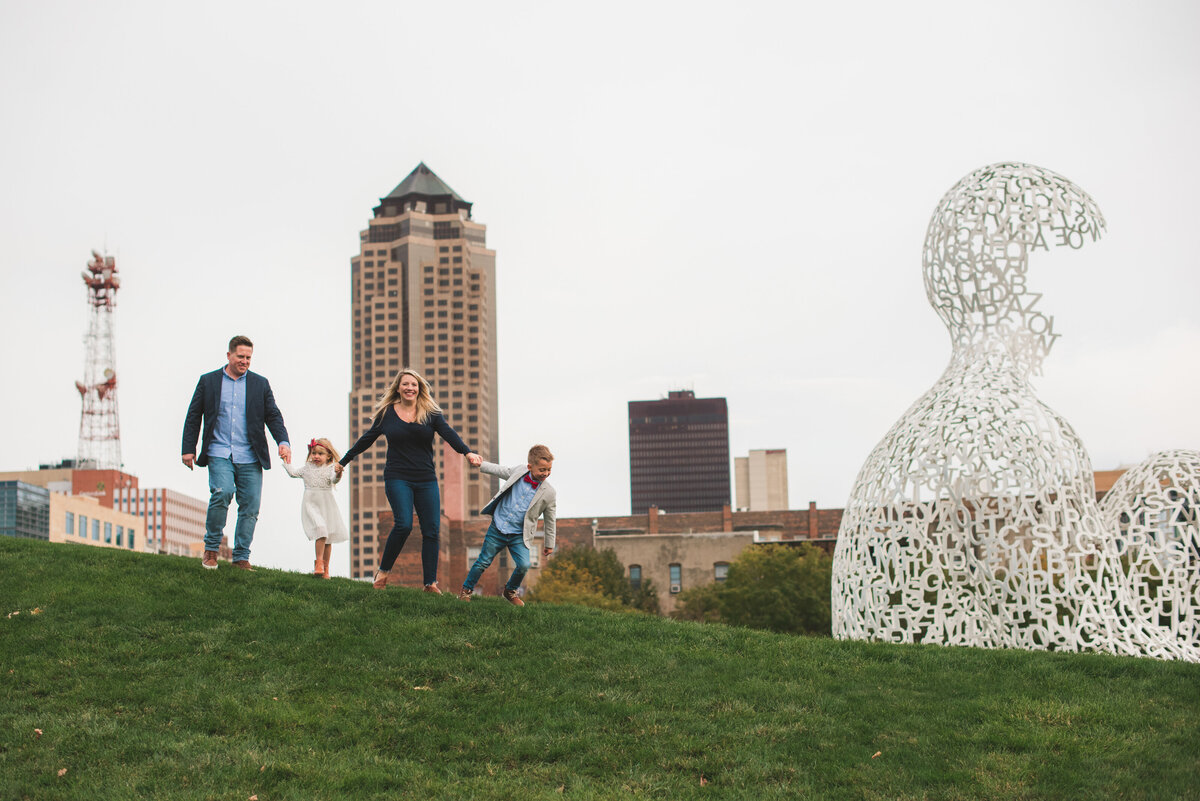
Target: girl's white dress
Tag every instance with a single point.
(319, 513)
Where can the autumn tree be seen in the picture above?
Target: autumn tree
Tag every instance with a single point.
(599, 574)
(565, 582)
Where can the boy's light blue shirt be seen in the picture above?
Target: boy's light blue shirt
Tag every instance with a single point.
(509, 516)
(229, 435)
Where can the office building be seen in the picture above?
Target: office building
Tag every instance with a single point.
(66, 477)
(24, 510)
(760, 480)
(35, 512)
(84, 520)
(423, 295)
(174, 522)
(679, 453)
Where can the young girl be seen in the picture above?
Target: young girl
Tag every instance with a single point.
(319, 513)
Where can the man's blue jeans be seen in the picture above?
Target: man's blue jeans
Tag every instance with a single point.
(226, 481)
(493, 543)
(404, 496)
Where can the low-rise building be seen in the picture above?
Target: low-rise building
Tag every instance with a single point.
(174, 521)
(84, 520)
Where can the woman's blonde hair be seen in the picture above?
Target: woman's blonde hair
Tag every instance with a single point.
(426, 405)
(321, 442)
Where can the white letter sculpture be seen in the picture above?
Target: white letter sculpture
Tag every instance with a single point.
(1152, 508)
(975, 521)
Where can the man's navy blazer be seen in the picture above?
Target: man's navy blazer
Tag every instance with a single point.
(260, 410)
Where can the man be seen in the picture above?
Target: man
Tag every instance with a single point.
(234, 405)
(515, 509)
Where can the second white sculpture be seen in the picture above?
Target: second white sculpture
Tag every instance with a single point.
(974, 521)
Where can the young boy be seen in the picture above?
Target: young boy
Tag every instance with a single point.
(524, 497)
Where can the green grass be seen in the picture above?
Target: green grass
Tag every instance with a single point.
(151, 678)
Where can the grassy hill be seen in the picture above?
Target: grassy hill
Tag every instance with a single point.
(150, 678)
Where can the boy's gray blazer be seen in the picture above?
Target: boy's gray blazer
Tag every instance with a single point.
(543, 505)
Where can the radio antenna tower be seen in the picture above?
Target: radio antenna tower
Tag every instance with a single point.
(99, 426)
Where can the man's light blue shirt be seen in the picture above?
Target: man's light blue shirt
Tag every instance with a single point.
(229, 434)
(509, 516)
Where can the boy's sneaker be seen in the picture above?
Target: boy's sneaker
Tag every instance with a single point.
(210, 560)
(512, 597)
(464, 594)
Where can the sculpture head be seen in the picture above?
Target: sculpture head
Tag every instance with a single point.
(977, 252)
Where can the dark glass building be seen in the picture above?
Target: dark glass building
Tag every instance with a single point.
(24, 510)
(679, 454)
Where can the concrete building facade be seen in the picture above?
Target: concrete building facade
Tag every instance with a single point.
(679, 454)
(760, 480)
(174, 522)
(423, 295)
(84, 520)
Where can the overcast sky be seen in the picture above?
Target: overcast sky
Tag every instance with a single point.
(728, 198)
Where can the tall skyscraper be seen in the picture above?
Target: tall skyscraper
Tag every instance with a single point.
(761, 481)
(679, 453)
(423, 295)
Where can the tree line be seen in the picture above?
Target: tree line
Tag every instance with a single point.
(780, 588)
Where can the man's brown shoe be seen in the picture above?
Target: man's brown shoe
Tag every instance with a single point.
(512, 597)
(434, 588)
(210, 560)
(464, 594)
(243, 564)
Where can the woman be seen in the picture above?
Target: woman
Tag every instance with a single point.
(408, 416)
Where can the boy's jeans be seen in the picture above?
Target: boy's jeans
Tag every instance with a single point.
(493, 543)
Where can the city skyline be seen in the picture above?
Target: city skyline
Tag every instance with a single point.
(736, 206)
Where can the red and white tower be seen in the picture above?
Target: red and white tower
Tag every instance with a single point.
(99, 426)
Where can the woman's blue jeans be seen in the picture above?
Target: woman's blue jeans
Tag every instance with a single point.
(405, 496)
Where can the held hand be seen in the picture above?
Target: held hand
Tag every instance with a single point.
(337, 468)
(475, 459)
(285, 453)
(189, 459)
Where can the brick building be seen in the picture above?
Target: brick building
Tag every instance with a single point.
(174, 521)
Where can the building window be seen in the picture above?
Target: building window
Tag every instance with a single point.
(120, 536)
(721, 571)
(676, 573)
(108, 532)
(71, 523)
(444, 230)
(95, 530)
(635, 576)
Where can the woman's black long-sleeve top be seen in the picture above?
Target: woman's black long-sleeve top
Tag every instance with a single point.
(410, 445)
